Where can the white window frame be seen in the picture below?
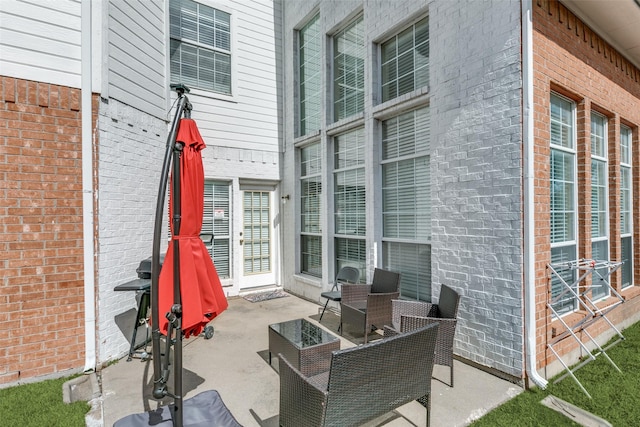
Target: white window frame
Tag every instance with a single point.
(232, 52)
(572, 150)
(602, 160)
(211, 214)
(392, 62)
(304, 97)
(357, 91)
(626, 154)
(305, 175)
(400, 249)
(358, 236)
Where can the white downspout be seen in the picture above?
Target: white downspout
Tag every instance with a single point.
(87, 191)
(529, 217)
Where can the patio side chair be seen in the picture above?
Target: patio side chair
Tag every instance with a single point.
(409, 315)
(363, 382)
(369, 306)
(345, 275)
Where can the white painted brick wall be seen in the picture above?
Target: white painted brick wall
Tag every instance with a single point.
(131, 151)
(476, 140)
(476, 160)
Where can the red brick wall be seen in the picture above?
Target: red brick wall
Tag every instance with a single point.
(41, 293)
(572, 60)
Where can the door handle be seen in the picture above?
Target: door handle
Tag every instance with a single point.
(241, 242)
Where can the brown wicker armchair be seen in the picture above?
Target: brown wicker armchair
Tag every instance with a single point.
(408, 315)
(370, 305)
(363, 382)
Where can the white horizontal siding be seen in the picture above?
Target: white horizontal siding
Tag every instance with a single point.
(137, 55)
(251, 121)
(40, 41)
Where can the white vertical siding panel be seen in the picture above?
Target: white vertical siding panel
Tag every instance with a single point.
(40, 41)
(137, 51)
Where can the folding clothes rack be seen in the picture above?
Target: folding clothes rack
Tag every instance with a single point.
(599, 272)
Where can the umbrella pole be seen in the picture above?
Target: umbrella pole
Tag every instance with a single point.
(159, 377)
(176, 308)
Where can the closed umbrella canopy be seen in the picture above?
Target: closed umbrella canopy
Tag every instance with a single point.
(201, 292)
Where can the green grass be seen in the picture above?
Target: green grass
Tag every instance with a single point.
(614, 394)
(39, 405)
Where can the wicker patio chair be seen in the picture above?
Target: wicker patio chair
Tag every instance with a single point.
(362, 383)
(370, 305)
(408, 315)
(345, 275)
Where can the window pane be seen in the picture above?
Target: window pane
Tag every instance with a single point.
(562, 196)
(625, 145)
(349, 184)
(598, 135)
(405, 61)
(563, 300)
(200, 46)
(215, 225)
(311, 247)
(627, 259)
(413, 262)
(561, 122)
(350, 252)
(598, 198)
(310, 76)
(348, 65)
(310, 210)
(600, 252)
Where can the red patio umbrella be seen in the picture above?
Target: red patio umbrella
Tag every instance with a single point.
(201, 292)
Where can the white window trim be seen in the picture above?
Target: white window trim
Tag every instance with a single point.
(604, 159)
(573, 150)
(233, 52)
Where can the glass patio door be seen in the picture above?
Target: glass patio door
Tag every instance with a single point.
(257, 239)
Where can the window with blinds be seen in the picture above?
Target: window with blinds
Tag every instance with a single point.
(349, 199)
(405, 61)
(348, 70)
(310, 209)
(563, 196)
(215, 225)
(599, 197)
(626, 206)
(309, 76)
(406, 201)
(200, 51)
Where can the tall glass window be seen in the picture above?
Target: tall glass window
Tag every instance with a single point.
(310, 208)
(406, 201)
(309, 76)
(626, 206)
(599, 204)
(563, 197)
(349, 199)
(405, 61)
(200, 46)
(348, 70)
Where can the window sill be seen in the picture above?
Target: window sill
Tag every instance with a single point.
(557, 328)
(308, 280)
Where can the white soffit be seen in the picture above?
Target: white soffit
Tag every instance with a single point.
(617, 21)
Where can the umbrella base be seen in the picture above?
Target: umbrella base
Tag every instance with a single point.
(203, 410)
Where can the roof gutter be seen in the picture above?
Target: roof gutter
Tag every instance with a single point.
(529, 217)
(87, 191)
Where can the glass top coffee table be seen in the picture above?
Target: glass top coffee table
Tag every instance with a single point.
(305, 345)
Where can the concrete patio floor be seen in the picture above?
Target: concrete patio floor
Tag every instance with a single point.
(234, 363)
